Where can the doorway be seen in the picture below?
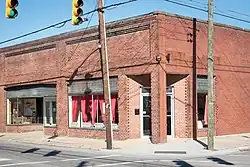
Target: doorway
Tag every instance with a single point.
(145, 112)
(49, 111)
(170, 111)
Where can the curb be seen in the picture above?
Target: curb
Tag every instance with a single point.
(184, 153)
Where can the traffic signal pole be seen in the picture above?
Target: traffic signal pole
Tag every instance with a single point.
(105, 74)
(210, 69)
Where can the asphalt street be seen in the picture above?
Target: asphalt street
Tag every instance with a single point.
(13, 154)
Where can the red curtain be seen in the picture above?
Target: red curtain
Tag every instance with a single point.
(101, 100)
(113, 106)
(83, 107)
(206, 112)
(74, 108)
(94, 108)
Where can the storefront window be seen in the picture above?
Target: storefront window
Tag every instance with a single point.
(88, 109)
(23, 111)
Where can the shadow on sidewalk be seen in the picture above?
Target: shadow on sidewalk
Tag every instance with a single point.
(53, 137)
(182, 163)
(81, 164)
(202, 143)
(246, 137)
(32, 150)
(220, 161)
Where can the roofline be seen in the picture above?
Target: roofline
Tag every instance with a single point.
(202, 21)
(68, 35)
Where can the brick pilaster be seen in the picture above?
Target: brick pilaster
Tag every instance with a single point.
(123, 106)
(62, 107)
(2, 110)
(158, 105)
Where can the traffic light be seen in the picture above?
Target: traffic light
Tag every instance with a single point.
(10, 10)
(77, 12)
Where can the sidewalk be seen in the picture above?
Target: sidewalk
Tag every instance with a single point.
(189, 147)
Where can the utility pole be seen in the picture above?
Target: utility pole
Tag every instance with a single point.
(194, 81)
(210, 71)
(105, 73)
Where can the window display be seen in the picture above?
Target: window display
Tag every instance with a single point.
(89, 109)
(22, 111)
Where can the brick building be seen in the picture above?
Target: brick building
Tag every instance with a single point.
(55, 83)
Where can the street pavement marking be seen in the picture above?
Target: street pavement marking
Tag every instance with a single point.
(43, 162)
(192, 161)
(26, 163)
(124, 163)
(4, 159)
(239, 155)
(156, 160)
(87, 158)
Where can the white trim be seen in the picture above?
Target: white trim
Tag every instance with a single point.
(141, 113)
(173, 113)
(8, 112)
(73, 124)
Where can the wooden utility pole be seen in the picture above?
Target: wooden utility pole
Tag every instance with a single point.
(194, 81)
(210, 71)
(105, 74)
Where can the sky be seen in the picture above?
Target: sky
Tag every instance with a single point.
(36, 14)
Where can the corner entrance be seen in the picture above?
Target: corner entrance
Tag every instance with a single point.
(145, 112)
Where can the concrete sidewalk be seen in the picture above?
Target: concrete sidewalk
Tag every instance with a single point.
(189, 147)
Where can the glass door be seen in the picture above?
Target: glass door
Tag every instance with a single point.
(146, 113)
(169, 115)
(49, 111)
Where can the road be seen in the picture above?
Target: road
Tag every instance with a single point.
(13, 154)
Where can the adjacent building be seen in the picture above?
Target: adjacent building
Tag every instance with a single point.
(158, 79)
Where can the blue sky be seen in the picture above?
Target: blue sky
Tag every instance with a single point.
(36, 14)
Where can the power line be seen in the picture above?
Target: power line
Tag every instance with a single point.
(204, 10)
(216, 8)
(62, 23)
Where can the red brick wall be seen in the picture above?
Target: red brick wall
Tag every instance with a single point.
(30, 66)
(123, 106)
(180, 102)
(134, 103)
(231, 56)
(24, 128)
(62, 107)
(158, 105)
(98, 134)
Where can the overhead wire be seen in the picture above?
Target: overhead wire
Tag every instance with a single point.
(205, 10)
(62, 23)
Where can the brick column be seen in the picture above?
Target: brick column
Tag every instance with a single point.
(158, 105)
(62, 107)
(123, 105)
(2, 110)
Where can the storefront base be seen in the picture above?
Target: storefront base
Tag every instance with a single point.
(23, 128)
(84, 133)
